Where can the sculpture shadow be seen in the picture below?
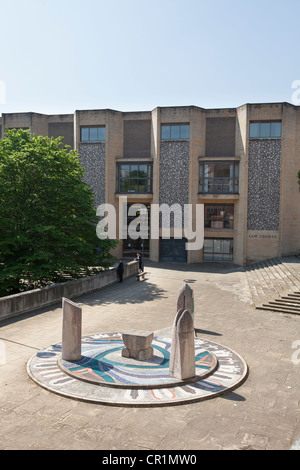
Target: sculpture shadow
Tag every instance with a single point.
(233, 396)
(206, 332)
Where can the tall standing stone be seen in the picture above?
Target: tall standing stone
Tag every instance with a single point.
(185, 299)
(182, 356)
(71, 331)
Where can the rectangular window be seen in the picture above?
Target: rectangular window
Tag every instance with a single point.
(218, 216)
(134, 178)
(218, 249)
(219, 178)
(175, 132)
(265, 130)
(92, 134)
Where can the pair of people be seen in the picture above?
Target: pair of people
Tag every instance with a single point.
(120, 268)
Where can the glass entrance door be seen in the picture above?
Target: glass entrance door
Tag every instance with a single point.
(172, 250)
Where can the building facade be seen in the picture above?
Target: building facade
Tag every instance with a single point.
(241, 163)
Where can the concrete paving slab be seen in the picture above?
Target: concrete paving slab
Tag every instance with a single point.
(263, 413)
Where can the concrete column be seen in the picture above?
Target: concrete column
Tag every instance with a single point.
(182, 356)
(71, 331)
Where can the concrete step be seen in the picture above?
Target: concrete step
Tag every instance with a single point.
(282, 309)
(288, 306)
(275, 284)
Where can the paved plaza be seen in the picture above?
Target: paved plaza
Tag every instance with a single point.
(262, 413)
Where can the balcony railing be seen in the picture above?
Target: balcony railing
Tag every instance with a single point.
(219, 186)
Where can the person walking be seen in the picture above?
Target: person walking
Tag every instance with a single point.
(120, 270)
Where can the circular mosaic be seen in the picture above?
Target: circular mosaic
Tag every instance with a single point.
(104, 376)
(102, 363)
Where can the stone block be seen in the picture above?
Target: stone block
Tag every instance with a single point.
(137, 345)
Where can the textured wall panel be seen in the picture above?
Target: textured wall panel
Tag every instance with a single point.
(92, 157)
(174, 173)
(264, 184)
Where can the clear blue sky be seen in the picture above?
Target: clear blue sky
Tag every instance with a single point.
(61, 55)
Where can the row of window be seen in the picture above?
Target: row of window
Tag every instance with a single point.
(214, 178)
(258, 130)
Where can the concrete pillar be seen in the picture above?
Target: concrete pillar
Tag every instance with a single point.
(182, 356)
(185, 299)
(71, 331)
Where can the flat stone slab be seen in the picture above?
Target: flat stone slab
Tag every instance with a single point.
(103, 376)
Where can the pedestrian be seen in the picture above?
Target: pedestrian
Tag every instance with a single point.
(120, 270)
(139, 259)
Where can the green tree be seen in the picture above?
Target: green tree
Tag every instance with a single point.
(47, 216)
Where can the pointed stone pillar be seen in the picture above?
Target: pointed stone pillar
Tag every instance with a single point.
(71, 331)
(185, 299)
(182, 356)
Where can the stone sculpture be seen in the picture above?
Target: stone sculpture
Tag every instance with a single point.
(182, 356)
(71, 331)
(185, 299)
(138, 345)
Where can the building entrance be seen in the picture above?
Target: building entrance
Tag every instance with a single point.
(172, 250)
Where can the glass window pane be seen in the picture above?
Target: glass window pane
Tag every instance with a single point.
(208, 245)
(265, 129)
(93, 133)
(185, 132)
(101, 133)
(165, 132)
(236, 170)
(142, 171)
(132, 186)
(254, 129)
(175, 132)
(133, 171)
(275, 129)
(142, 186)
(84, 134)
(124, 171)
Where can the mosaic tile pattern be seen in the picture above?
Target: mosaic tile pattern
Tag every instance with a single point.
(228, 373)
(174, 174)
(92, 157)
(264, 184)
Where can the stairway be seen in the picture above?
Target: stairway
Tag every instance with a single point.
(275, 284)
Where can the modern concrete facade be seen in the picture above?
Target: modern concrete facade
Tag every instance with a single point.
(241, 163)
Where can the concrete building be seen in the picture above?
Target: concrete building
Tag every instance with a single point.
(241, 163)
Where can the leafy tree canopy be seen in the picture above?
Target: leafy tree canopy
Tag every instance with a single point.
(47, 216)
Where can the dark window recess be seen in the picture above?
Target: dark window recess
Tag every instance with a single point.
(220, 137)
(137, 139)
(134, 178)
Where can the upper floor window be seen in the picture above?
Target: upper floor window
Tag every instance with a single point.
(219, 178)
(92, 134)
(218, 216)
(265, 130)
(134, 178)
(175, 132)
